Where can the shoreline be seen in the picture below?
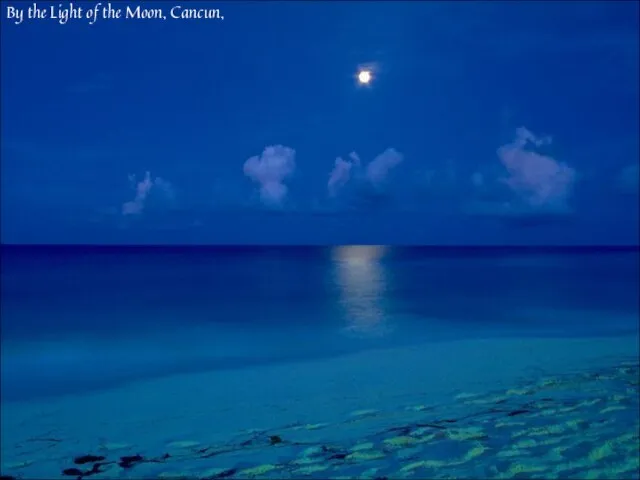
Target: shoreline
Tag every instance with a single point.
(134, 361)
(374, 367)
(215, 406)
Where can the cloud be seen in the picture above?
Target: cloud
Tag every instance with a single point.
(628, 179)
(270, 170)
(538, 182)
(143, 189)
(341, 173)
(373, 177)
(526, 187)
(378, 170)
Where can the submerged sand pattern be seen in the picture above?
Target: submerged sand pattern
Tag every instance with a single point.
(579, 425)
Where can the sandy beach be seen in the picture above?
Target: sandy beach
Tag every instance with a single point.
(41, 438)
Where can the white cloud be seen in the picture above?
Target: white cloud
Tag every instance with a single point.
(341, 173)
(537, 181)
(143, 190)
(375, 173)
(378, 170)
(270, 170)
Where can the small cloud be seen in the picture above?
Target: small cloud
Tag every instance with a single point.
(341, 173)
(628, 179)
(165, 188)
(270, 170)
(143, 190)
(380, 167)
(538, 182)
(339, 176)
(526, 187)
(371, 180)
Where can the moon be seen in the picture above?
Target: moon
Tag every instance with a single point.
(364, 77)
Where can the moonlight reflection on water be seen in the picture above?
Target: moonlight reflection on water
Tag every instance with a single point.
(361, 280)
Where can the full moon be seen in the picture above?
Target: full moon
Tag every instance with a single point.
(364, 77)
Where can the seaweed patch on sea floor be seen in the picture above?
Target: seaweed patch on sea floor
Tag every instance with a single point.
(581, 425)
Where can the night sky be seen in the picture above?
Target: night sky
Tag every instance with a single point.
(484, 123)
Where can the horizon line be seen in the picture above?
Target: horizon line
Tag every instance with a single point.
(169, 246)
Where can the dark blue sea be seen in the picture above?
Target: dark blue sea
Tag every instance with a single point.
(78, 318)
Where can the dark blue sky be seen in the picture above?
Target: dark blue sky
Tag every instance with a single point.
(485, 123)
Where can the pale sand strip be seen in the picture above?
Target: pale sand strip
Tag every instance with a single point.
(212, 406)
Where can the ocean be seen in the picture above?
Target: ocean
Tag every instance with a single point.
(88, 320)
(98, 315)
